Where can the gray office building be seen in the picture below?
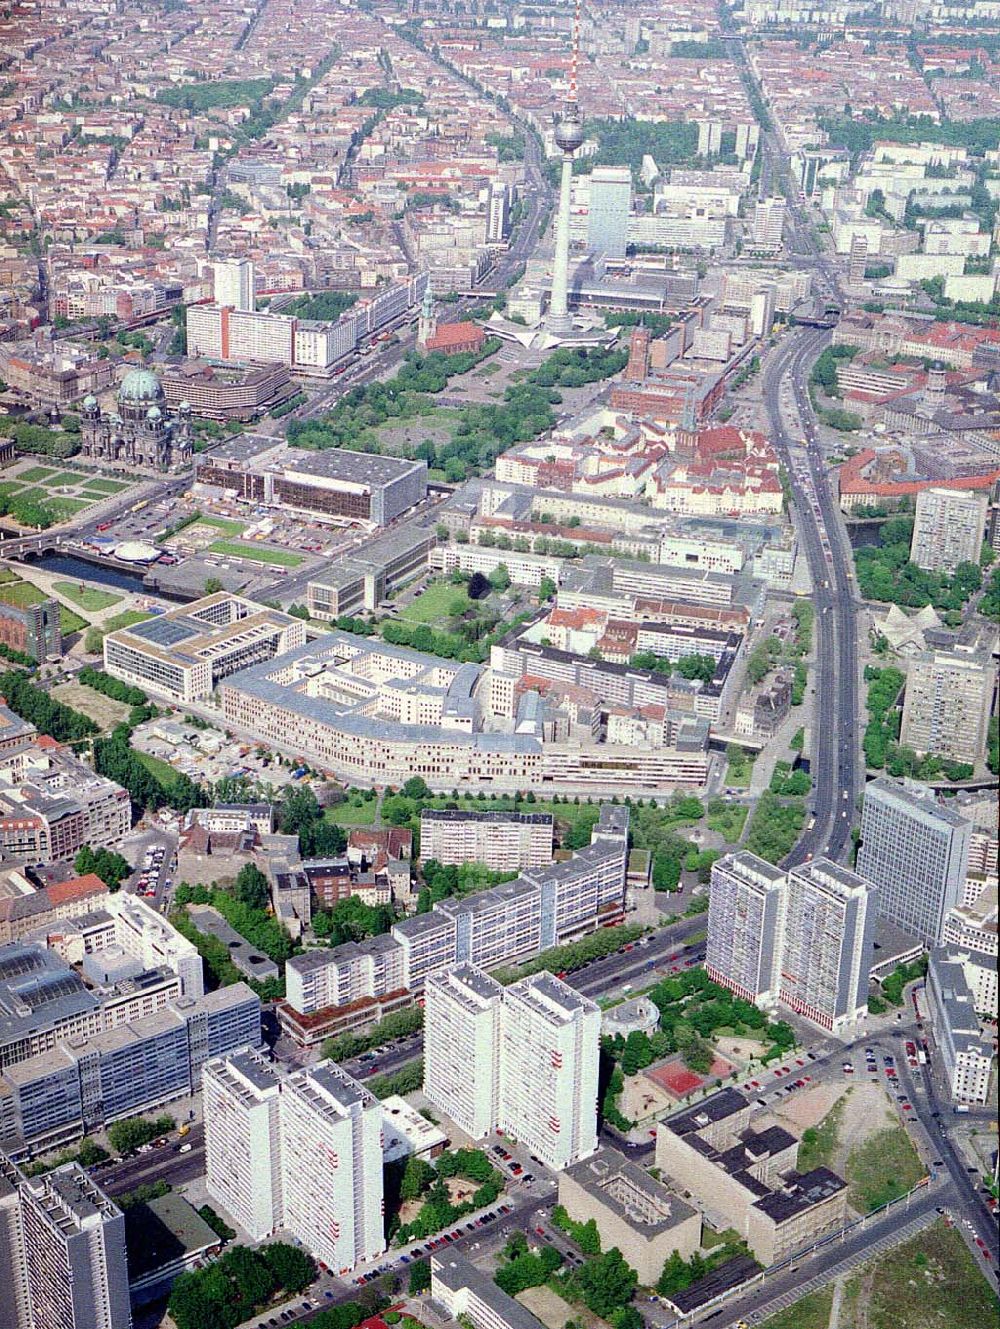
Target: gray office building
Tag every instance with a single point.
(89, 1080)
(610, 203)
(74, 1253)
(915, 851)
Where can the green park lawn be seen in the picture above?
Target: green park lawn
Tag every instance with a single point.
(101, 486)
(223, 524)
(8, 487)
(66, 478)
(89, 598)
(440, 600)
(21, 593)
(126, 619)
(280, 558)
(36, 473)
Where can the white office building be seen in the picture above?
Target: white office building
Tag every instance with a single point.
(610, 204)
(915, 851)
(233, 283)
(462, 1008)
(827, 944)
(331, 1166)
(802, 939)
(966, 1049)
(549, 1052)
(15, 1308)
(745, 923)
(74, 1253)
(241, 1094)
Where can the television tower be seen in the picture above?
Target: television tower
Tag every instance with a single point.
(569, 137)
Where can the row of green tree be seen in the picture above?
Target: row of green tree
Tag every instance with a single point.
(400, 1024)
(257, 925)
(239, 1284)
(112, 687)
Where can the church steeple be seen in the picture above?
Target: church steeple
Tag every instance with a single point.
(427, 324)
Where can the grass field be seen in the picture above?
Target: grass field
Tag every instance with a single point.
(66, 478)
(812, 1312)
(352, 814)
(35, 473)
(223, 524)
(738, 775)
(101, 486)
(931, 1282)
(280, 558)
(21, 593)
(163, 771)
(67, 507)
(728, 822)
(439, 601)
(884, 1166)
(87, 597)
(8, 487)
(126, 619)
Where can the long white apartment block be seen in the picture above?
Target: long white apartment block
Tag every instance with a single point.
(503, 841)
(331, 1166)
(746, 902)
(462, 1008)
(299, 1151)
(828, 943)
(549, 1054)
(241, 1095)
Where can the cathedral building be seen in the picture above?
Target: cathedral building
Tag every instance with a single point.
(138, 434)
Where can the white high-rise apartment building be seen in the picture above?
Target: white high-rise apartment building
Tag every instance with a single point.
(549, 1052)
(462, 1047)
(745, 906)
(828, 941)
(241, 1100)
(801, 939)
(15, 1308)
(74, 1253)
(233, 286)
(768, 222)
(302, 1152)
(948, 528)
(331, 1166)
(946, 709)
(524, 1058)
(916, 851)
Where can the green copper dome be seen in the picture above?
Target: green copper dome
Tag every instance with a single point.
(139, 385)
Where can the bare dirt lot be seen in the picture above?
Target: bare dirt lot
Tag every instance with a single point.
(102, 710)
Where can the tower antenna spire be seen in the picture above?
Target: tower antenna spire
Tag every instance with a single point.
(574, 67)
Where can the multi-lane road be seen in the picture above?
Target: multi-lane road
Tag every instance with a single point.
(834, 750)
